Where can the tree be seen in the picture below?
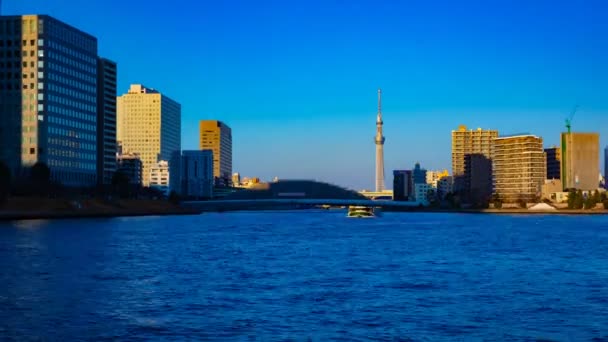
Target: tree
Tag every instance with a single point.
(597, 198)
(40, 175)
(174, 197)
(522, 203)
(571, 198)
(5, 181)
(120, 183)
(497, 201)
(579, 200)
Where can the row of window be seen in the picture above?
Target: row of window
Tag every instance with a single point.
(67, 153)
(10, 54)
(65, 34)
(71, 164)
(33, 42)
(79, 106)
(82, 76)
(62, 133)
(75, 94)
(74, 54)
(74, 124)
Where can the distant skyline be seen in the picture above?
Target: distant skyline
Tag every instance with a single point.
(297, 82)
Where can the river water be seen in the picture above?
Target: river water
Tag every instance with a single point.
(307, 275)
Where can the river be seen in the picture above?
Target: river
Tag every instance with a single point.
(306, 275)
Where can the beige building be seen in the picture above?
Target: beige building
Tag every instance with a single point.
(551, 188)
(467, 142)
(432, 177)
(159, 177)
(518, 167)
(580, 160)
(217, 137)
(149, 124)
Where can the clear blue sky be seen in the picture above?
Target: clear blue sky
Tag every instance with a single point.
(297, 80)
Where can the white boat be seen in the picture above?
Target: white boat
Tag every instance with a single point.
(361, 212)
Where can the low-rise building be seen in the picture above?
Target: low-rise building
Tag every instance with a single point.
(159, 177)
(423, 193)
(445, 186)
(433, 177)
(550, 188)
(196, 178)
(131, 166)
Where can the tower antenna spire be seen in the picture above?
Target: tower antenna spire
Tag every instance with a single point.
(379, 99)
(379, 140)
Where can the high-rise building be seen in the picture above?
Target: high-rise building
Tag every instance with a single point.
(379, 140)
(477, 179)
(159, 177)
(149, 124)
(48, 98)
(466, 142)
(217, 137)
(554, 162)
(606, 167)
(106, 120)
(403, 185)
(519, 168)
(580, 160)
(197, 174)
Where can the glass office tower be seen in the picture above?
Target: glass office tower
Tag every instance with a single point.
(48, 97)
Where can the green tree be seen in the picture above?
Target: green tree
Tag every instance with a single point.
(40, 175)
(497, 201)
(597, 198)
(120, 184)
(579, 200)
(174, 197)
(522, 203)
(571, 198)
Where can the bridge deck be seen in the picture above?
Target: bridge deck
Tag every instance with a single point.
(266, 203)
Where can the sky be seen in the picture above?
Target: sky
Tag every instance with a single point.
(297, 80)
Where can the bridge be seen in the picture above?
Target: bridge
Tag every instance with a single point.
(291, 203)
(293, 194)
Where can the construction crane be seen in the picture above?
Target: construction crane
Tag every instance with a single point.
(570, 117)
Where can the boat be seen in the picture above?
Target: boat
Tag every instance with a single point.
(361, 212)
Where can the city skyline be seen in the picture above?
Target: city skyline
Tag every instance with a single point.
(499, 80)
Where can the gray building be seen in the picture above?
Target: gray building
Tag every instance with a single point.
(606, 167)
(403, 185)
(419, 174)
(106, 120)
(131, 166)
(48, 97)
(196, 177)
(554, 162)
